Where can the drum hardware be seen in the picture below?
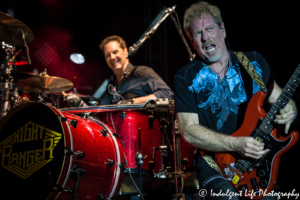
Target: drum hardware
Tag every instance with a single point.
(8, 98)
(110, 163)
(73, 122)
(123, 115)
(104, 132)
(150, 105)
(79, 154)
(139, 160)
(101, 196)
(151, 120)
(69, 190)
(164, 154)
(178, 174)
(76, 175)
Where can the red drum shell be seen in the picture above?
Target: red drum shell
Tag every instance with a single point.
(128, 129)
(98, 179)
(127, 123)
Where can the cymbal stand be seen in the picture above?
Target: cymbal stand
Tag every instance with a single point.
(8, 95)
(139, 160)
(178, 173)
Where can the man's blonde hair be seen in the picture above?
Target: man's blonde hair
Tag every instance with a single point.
(197, 10)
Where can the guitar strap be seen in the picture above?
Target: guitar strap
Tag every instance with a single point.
(250, 69)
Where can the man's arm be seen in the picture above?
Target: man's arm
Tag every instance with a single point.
(209, 140)
(288, 113)
(144, 99)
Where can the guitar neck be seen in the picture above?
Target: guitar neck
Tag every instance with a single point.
(281, 102)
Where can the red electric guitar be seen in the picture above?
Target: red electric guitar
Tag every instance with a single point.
(255, 178)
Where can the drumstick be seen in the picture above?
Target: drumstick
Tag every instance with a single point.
(63, 93)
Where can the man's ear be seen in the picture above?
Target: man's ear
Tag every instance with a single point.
(223, 29)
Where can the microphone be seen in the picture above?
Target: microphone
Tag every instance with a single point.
(25, 45)
(114, 95)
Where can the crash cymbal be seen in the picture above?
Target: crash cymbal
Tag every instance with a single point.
(49, 84)
(9, 30)
(17, 75)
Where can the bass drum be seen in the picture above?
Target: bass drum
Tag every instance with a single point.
(49, 154)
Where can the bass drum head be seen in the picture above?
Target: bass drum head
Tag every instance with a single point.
(32, 147)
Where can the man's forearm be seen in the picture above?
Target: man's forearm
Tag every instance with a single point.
(144, 99)
(207, 139)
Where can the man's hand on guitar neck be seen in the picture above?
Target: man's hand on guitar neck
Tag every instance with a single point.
(288, 113)
(287, 116)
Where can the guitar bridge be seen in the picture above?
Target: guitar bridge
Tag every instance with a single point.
(244, 165)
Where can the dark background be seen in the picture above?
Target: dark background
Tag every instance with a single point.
(63, 27)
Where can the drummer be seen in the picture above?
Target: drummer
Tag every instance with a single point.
(136, 84)
(130, 84)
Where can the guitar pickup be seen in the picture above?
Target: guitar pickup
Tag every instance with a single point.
(254, 185)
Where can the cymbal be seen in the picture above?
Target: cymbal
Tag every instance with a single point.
(83, 96)
(9, 30)
(50, 84)
(17, 76)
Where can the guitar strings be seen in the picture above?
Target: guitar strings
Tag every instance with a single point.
(277, 106)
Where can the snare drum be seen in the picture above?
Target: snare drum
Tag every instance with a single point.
(49, 154)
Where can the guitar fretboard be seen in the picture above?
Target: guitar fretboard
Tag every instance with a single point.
(281, 102)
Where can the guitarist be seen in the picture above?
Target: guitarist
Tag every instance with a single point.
(212, 93)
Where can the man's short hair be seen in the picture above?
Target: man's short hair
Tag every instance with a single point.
(113, 38)
(197, 10)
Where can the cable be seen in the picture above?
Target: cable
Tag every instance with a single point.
(111, 88)
(132, 179)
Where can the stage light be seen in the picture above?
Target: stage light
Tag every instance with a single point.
(77, 58)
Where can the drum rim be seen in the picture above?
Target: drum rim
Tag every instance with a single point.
(105, 108)
(55, 111)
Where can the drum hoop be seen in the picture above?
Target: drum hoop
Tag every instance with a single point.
(55, 111)
(117, 176)
(106, 108)
(71, 156)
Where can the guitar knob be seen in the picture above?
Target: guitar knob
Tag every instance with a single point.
(263, 183)
(261, 173)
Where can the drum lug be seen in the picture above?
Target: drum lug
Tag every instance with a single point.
(77, 173)
(104, 132)
(101, 196)
(79, 154)
(69, 190)
(110, 163)
(150, 121)
(73, 122)
(123, 115)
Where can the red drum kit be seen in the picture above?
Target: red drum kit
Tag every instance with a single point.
(91, 152)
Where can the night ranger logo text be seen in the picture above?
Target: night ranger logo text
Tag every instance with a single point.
(20, 156)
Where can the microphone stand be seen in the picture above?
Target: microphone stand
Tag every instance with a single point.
(167, 12)
(192, 56)
(25, 45)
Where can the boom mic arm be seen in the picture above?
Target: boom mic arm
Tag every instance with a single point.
(177, 24)
(25, 45)
(147, 35)
(167, 12)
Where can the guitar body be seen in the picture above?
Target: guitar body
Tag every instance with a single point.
(245, 175)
